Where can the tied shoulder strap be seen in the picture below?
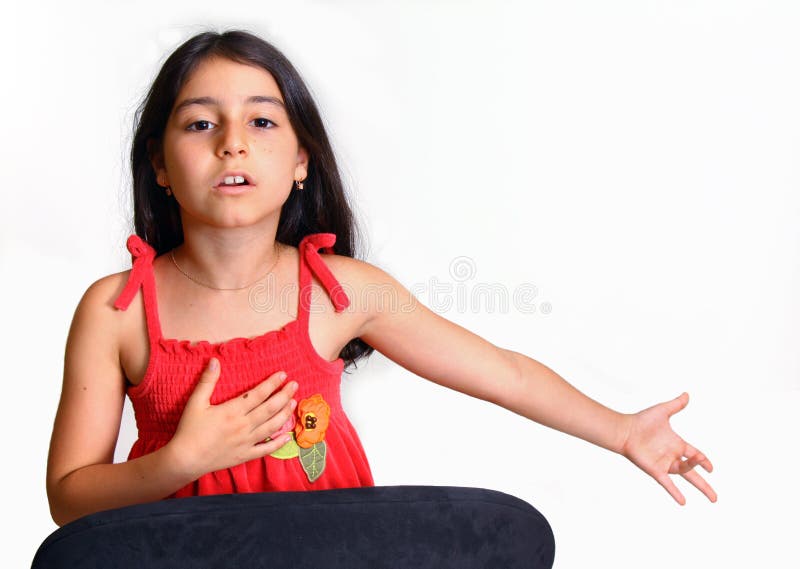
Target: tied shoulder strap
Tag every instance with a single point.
(142, 255)
(309, 247)
(141, 275)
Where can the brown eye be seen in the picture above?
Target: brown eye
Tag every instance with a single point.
(198, 122)
(263, 125)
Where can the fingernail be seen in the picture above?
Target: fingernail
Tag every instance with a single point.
(282, 375)
(293, 404)
(214, 364)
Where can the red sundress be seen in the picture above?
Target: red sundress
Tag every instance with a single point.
(325, 451)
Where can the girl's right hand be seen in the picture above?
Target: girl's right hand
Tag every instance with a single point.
(213, 437)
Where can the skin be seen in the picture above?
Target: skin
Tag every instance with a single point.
(228, 242)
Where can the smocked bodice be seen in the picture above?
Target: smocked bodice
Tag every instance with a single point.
(175, 366)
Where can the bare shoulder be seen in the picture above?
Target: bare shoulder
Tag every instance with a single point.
(97, 326)
(97, 304)
(356, 275)
(351, 270)
(371, 289)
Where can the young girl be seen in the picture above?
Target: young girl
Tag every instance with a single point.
(236, 192)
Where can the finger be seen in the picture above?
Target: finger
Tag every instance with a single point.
(273, 404)
(683, 466)
(699, 482)
(281, 401)
(272, 384)
(251, 399)
(289, 423)
(262, 448)
(670, 487)
(274, 423)
(703, 461)
(205, 384)
(677, 404)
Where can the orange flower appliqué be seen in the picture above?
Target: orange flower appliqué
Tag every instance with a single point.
(313, 416)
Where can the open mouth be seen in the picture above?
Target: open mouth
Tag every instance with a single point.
(234, 181)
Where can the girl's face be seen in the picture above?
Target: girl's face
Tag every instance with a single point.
(214, 128)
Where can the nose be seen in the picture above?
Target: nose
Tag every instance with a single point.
(232, 142)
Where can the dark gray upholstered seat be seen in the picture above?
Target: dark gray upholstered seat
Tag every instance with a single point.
(408, 527)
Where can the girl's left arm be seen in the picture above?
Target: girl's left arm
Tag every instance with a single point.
(403, 329)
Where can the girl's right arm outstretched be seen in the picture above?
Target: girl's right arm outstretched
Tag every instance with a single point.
(81, 475)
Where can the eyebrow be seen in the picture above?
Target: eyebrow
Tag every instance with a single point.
(211, 101)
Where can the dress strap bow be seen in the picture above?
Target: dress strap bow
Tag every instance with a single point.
(309, 247)
(142, 256)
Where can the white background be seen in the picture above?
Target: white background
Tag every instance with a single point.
(637, 162)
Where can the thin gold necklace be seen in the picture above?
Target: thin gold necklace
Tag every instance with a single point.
(172, 256)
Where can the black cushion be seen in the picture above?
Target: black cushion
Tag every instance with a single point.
(419, 527)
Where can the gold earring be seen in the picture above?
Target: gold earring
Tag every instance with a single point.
(169, 191)
(299, 184)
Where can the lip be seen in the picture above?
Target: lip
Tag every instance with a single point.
(233, 190)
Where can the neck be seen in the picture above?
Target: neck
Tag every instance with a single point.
(228, 263)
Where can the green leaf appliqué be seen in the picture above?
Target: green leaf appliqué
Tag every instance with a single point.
(313, 460)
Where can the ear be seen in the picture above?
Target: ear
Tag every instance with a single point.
(157, 161)
(301, 167)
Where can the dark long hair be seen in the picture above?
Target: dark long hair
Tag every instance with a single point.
(322, 205)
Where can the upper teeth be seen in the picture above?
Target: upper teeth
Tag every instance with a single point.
(233, 180)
